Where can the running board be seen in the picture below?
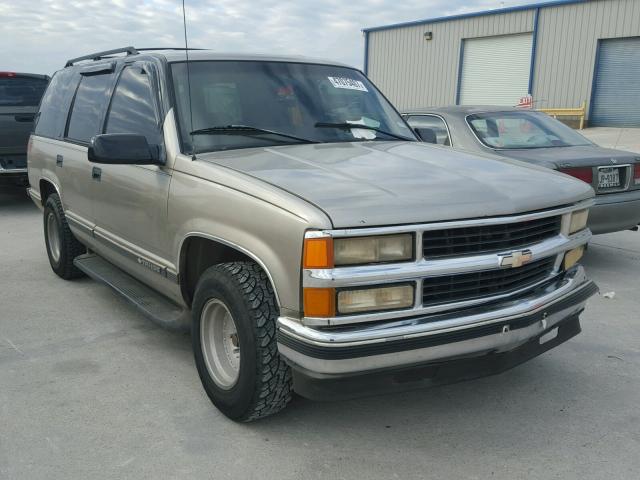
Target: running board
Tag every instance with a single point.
(152, 304)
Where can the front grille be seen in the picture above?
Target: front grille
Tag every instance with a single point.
(463, 241)
(487, 283)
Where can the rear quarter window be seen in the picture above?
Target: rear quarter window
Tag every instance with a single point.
(54, 107)
(88, 108)
(21, 91)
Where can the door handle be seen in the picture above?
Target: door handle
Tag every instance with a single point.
(25, 118)
(59, 159)
(96, 173)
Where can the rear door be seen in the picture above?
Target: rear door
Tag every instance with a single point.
(85, 120)
(19, 98)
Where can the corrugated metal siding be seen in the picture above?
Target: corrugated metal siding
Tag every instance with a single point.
(616, 100)
(495, 70)
(413, 72)
(567, 40)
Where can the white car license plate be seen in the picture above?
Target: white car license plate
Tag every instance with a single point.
(608, 177)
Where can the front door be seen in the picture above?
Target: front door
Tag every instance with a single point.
(131, 200)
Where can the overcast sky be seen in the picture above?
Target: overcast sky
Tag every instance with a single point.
(38, 36)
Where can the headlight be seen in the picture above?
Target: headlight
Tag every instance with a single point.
(375, 299)
(379, 249)
(578, 221)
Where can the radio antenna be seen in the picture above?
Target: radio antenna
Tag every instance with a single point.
(186, 51)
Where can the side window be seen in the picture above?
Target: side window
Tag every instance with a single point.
(54, 106)
(88, 106)
(132, 107)
(435, 126)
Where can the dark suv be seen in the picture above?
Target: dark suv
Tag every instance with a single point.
(20, 95)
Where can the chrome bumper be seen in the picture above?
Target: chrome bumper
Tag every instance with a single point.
(359, 349)
(12, 171)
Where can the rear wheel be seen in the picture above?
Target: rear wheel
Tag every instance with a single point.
(62, 246)
(234, 342)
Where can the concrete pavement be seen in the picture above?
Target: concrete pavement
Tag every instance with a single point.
(89, 389)
(621, 138)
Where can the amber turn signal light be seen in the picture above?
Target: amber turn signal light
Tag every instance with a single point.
(319, 302)
(572, 257)
(318, 252)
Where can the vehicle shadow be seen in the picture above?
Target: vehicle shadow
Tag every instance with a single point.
(14, 199)
(499, 406)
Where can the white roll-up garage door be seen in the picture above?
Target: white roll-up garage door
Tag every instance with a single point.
(495, 70)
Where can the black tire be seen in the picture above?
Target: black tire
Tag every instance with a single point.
(70, 247)
(264, 385)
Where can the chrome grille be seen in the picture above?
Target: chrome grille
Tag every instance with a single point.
(484, 284)
(458, 242)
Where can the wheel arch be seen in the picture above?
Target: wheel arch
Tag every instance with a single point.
(47, 187)
(199, 251)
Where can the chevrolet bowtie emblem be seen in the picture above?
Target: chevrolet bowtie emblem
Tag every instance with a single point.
(515, 259)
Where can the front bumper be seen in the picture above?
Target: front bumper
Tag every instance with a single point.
(614, 212)
(361, 349)
(437, 373)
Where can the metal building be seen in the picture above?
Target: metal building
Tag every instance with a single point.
(562, 52)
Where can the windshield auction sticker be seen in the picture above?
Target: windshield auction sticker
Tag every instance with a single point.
(348, 83)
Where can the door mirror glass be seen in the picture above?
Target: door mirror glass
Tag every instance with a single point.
(123, 149)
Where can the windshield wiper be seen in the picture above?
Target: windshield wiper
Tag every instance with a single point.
(349, 126)
(245, 130)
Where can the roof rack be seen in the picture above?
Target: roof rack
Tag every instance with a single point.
(127, 50)
(101, 55)
(168, 48)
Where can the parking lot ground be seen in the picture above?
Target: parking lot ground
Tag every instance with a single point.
(621, 138)
(89, 389)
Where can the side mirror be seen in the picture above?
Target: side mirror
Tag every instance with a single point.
(123, 149)
(427, 135)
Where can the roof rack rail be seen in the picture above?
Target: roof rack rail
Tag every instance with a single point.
(101, 55)
(167, 48)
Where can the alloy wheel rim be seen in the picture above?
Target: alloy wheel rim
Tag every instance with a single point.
(53, 237)
(220, 344)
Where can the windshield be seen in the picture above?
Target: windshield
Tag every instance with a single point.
(523, 130)
(278, 103)
(21, 91)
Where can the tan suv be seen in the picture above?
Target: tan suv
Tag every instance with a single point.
(282, 209)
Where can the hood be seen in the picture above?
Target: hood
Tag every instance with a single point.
(578, 156)
(390, 183)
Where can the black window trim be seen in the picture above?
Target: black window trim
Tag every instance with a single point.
(446, 125)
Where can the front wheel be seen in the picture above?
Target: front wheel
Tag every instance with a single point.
(234, 342)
